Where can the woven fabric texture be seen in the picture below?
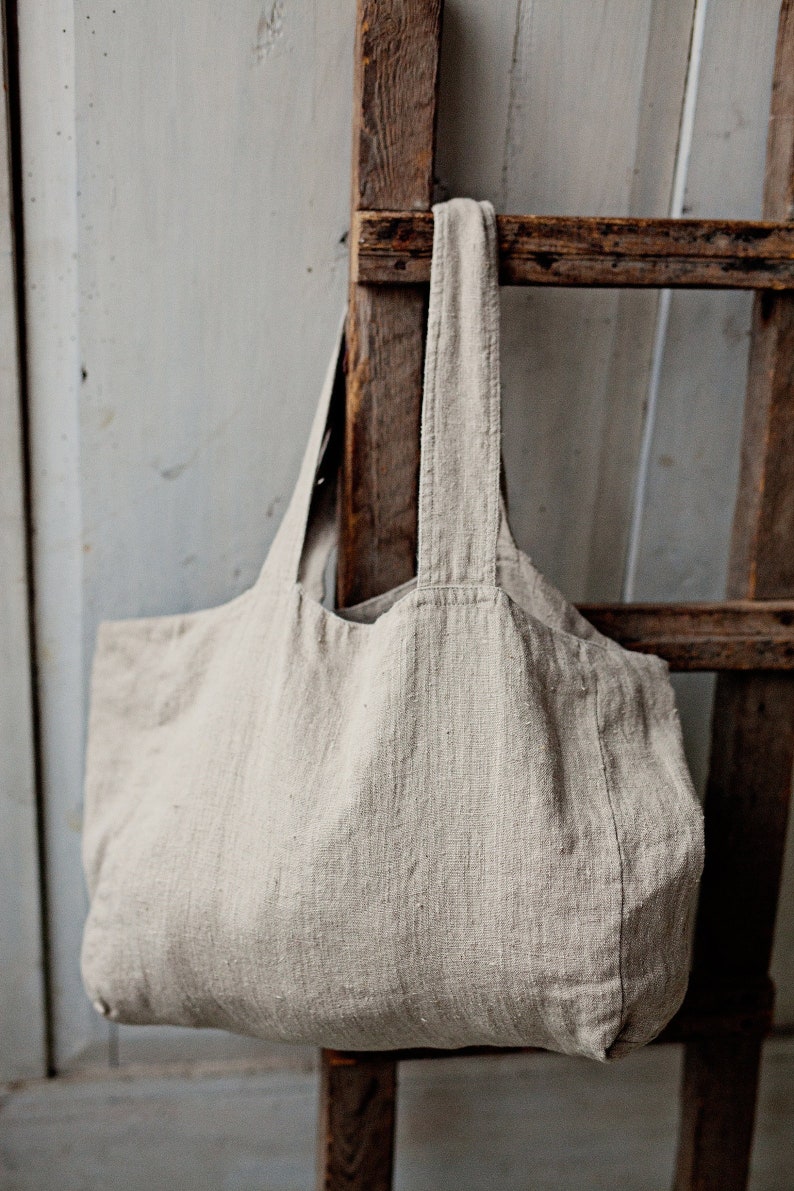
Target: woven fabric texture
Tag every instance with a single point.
(454, 816)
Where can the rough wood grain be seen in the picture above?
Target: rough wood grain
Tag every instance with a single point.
(684, 268)
(749, 783)
(394, 113)
(356, 1135)
(735, 635)
(762, 558)
(396, 247)
(396, 78)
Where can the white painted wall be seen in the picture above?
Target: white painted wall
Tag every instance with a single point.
(186, 202)
(22, 1021)
(49, 186)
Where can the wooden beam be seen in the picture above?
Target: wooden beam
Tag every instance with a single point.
(394, 113)
(392, 247)
(396, 82)
(732, 635)
(748, 790)
(356, 1134)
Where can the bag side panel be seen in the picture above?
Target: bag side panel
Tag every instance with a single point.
(154, 684)
(660, 824)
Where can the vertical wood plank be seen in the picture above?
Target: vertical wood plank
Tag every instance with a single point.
(356, 1134)
(783, 951)
(22, 1003)
(749, 783)
(394, 114)
(396, 79)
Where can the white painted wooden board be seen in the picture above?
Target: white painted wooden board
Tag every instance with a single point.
(555, 130)
(208, 174)
(51, 264)
(22, 1030)
(692, 479)
(462, 1123)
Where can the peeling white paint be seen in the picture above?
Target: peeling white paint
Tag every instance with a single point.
(269, 30)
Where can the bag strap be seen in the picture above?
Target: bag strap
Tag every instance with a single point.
(460, 450)
(287, 549)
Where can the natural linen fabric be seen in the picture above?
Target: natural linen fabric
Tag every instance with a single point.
(457, 815)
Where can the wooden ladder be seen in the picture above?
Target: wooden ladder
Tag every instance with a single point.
(748, 639)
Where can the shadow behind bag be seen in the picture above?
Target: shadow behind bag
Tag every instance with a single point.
(456, 815)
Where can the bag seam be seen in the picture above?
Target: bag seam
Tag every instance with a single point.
(621, 869)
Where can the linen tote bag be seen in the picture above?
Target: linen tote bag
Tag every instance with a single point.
(456, 815)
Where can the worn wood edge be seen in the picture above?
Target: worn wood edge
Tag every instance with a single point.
(749, 782)
(391, 247)
(397, 58)
(393, 152)
(753, 570)
(355, 1140)
(720, 1080)
(721, 636)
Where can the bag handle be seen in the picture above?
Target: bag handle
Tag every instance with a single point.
(460, 447)
(460, 439)
(287, 547)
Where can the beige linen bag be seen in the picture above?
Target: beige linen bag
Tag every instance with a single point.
(455, 815)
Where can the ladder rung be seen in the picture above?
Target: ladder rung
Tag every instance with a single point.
(396, 247)
(731, 635)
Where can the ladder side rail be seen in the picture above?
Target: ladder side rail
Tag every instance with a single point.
(752, 754)
(394, 115)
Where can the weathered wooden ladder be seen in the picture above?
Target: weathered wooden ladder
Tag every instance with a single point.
(749, 639)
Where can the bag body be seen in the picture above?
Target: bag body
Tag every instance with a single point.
(456, 815)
